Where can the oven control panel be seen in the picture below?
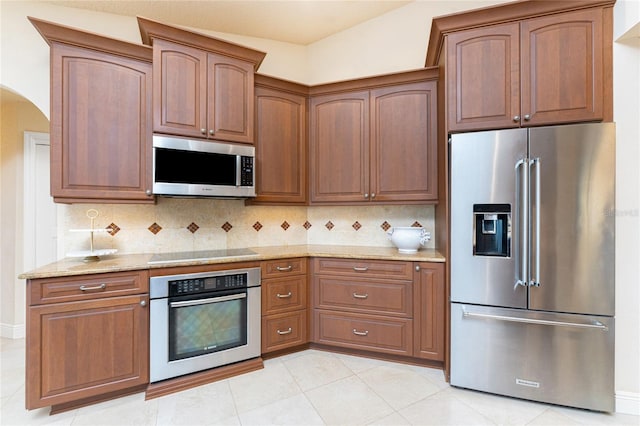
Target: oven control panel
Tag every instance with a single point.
(204, 284)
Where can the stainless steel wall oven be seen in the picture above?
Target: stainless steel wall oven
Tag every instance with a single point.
(203, 320)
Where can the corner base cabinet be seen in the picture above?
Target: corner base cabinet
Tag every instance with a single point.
(87, 337)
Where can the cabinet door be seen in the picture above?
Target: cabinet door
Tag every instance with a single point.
(100, 126)
(339, 148)
(229, 99)
(179, 89)
(403, 143)
(429, 308)
(280, 147)
(78, 350)
(562, 68)
(483, 86)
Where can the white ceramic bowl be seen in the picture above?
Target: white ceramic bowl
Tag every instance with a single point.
(408, 239)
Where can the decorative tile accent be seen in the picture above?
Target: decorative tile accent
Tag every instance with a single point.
(356, 225)
(385, 226)
(155, 228)
(416, 224)
(329, 225)
(193, 228)
(113, 229)
(257, 226)
(285, 225)
(306, 225)
(227, 227)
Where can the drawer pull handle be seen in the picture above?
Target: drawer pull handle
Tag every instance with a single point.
(282, 333)
(98, 287)
(360, 333)
(287, 269)
(360, 269)
(283, 296)
(360, 296)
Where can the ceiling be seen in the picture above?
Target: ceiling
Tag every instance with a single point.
(294, 21)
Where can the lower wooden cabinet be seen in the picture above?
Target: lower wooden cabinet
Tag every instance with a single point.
(429, 311)
(391, 307)
(360, 331)
(84, 349)
(284, 304)
(281, 331)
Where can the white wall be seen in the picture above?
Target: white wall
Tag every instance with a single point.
(392, 42)
(626, 79)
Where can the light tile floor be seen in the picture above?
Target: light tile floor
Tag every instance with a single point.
(306, 388)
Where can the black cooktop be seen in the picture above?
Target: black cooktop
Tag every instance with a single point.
(187, 256)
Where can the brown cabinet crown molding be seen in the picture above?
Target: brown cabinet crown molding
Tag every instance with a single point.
(275, 83)
(372, 82)
(150, 29)
(52, 32)
(441, 26)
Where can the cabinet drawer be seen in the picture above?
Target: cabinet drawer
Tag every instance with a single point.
(367, 332)
(67, 289)
(389, 269)
(282, 267)
(284, 294)
(284, 330)
(360, 295)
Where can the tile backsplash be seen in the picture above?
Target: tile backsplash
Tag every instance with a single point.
(179, 224)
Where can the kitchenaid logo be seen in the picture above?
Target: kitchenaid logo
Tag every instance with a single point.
(206, 348)
(528, 383)
(622, 213)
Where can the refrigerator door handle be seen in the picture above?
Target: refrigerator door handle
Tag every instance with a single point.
(522, 235)
(534, 281)
(596, 324)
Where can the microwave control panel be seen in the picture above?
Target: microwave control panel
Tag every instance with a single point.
(246, 171)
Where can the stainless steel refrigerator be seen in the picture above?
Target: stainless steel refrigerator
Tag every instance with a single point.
(532, 263)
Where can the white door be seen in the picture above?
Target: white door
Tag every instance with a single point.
(40, 212)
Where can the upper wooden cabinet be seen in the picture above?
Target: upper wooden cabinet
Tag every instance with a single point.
(376, 145)
(281, 142)
(203, 87)
(100, 117)
(339, 147)
(531, 72)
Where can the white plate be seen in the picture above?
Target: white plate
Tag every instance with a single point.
(92, 255)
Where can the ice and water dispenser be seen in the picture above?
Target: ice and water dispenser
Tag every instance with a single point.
(492, 230)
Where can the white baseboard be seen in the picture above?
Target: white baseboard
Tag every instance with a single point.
(628, 403)
(10, 331)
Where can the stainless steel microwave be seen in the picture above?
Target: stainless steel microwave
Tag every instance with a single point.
(188, 167)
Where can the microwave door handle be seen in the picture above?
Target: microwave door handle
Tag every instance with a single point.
(238, 170)
(207, 301)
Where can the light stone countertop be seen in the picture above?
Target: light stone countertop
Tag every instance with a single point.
(132, 262)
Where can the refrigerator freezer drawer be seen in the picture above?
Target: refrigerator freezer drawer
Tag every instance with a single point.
(556, 358)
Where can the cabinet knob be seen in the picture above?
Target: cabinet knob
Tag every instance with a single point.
(516, 118)
(527, 117)
(143, 303)
(366, 195)
(203, 131)
(212, 132)
(418, 268)
(148, 192)
(373, 195)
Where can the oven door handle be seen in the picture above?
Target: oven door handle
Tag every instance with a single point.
(206, 301)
